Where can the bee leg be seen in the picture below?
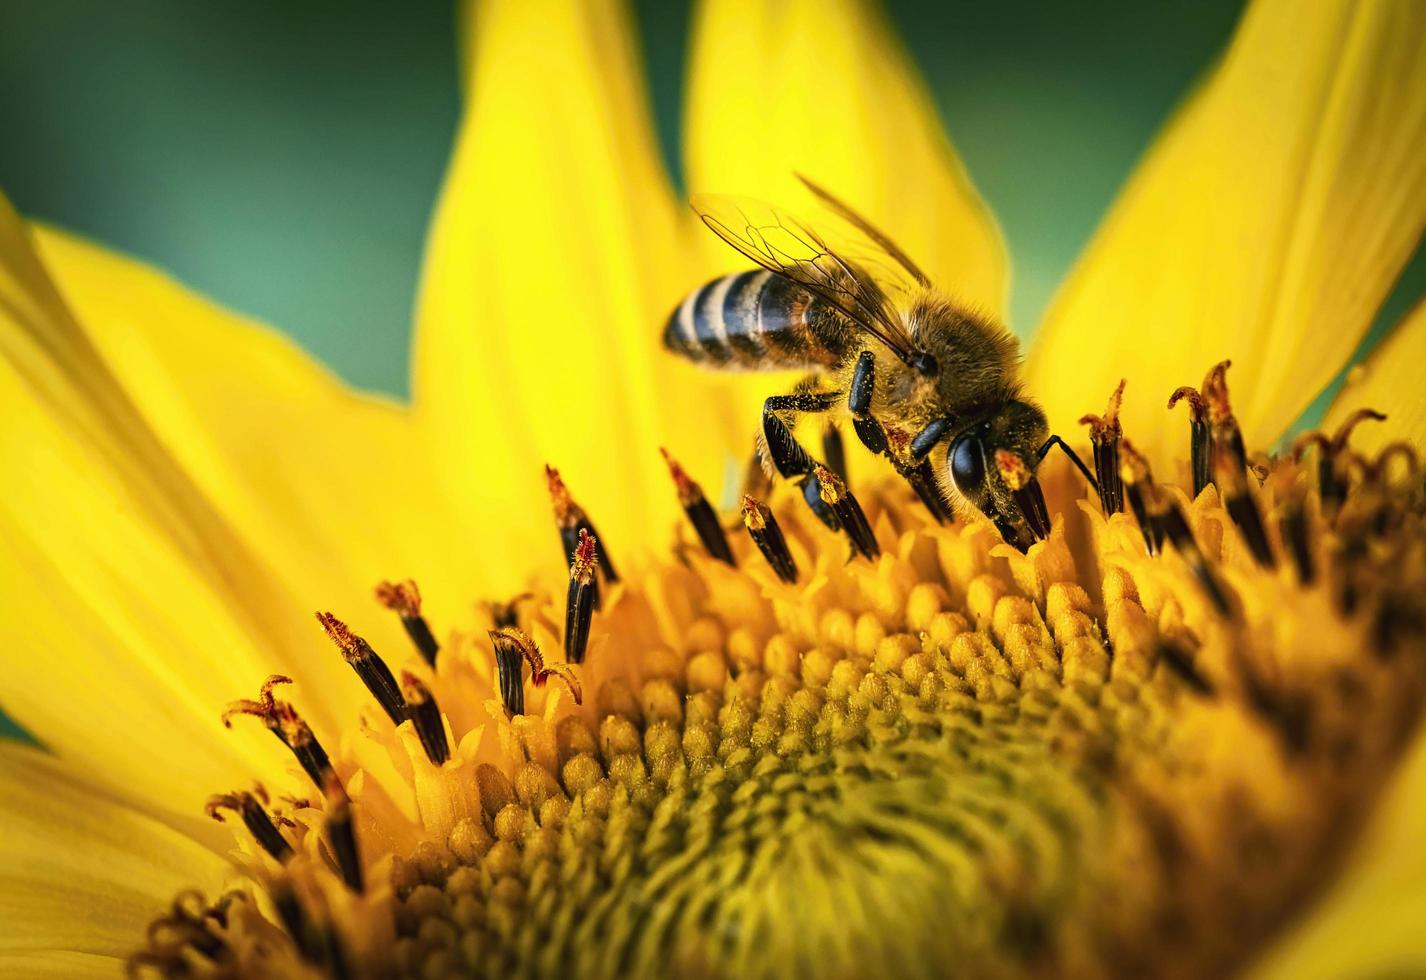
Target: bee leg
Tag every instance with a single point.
(787, 454)
(1064, 447)
(833, 451)
(859, 392)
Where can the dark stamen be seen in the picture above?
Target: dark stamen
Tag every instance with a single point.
(509, 668)
(1223, 432)
(1025, 491)
(700, 513)
(425, 717)
(513, 646)
(1105, 433)
(1134, 472)
(1293, 526)
(1174, 526)
(404, 599)
(812, 496)
(1333, 459)
(1198, 436)
(1180, 661)
(572, 519)
(369, 667)
(579, 601)
(1241, 507)
(284, 722)
(834, 494)
(504, 614)
(767, 535)
(255, 818)
(341, 834)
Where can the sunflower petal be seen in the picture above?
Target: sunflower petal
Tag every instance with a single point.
(133, 608)
(824, 89)
(81, 876)
(1368, 924)
(553, 259)
(1390, 382)
(1267, 225)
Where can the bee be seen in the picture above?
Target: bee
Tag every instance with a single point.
(912, 369)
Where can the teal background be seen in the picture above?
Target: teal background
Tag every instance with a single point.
(284, 157)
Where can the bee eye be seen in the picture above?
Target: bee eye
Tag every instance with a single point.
(968, 466)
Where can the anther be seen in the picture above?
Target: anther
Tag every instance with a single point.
(700, 513)
(1025, 491)
(1294, 530)
(571, 519)
(1180, 661)
(1241, 506)
(255, 818)
(512, 646)
(767, 535)
(834, 494)
(369, 667)
(1222, 426)
(1105, 433)
(1198, 435)
(579, 601)
(1137, 481)
(1331, 458)
(284, 722)
(1173, 525)
(341, 833)
(425, 717)
(404, 599)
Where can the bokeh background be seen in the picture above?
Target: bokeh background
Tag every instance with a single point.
(284, 157)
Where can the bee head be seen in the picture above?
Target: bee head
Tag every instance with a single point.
(1021, 429)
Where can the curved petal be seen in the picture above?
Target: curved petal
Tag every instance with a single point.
(1267, 225)
(825, 89)
(1369, 922)
(1390, 382)
(135, 606)
(553, 260)
(81, 876)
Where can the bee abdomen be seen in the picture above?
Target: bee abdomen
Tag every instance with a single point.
(755, 320)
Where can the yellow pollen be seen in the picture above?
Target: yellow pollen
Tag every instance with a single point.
(1093, 758)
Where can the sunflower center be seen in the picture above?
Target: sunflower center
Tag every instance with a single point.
(1133, 748)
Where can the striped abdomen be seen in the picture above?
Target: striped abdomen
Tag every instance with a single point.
(756, 321)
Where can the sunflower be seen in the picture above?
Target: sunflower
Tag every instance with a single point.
(1177, 740)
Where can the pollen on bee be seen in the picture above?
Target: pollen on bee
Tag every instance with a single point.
(1026, 492)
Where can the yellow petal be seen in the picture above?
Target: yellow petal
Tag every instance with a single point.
(825, 89)
(1369, 922)
(1267, 225)
(553, 260)
(135, 607)
(81, 875)
(330, 485)
(1390, 382)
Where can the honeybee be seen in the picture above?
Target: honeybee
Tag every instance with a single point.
(912, 369)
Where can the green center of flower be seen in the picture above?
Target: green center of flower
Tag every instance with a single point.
(1134, 748)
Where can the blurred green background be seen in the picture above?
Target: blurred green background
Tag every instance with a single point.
(284, 157)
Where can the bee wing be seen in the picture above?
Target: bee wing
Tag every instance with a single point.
(782, 244)
(873, 234)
